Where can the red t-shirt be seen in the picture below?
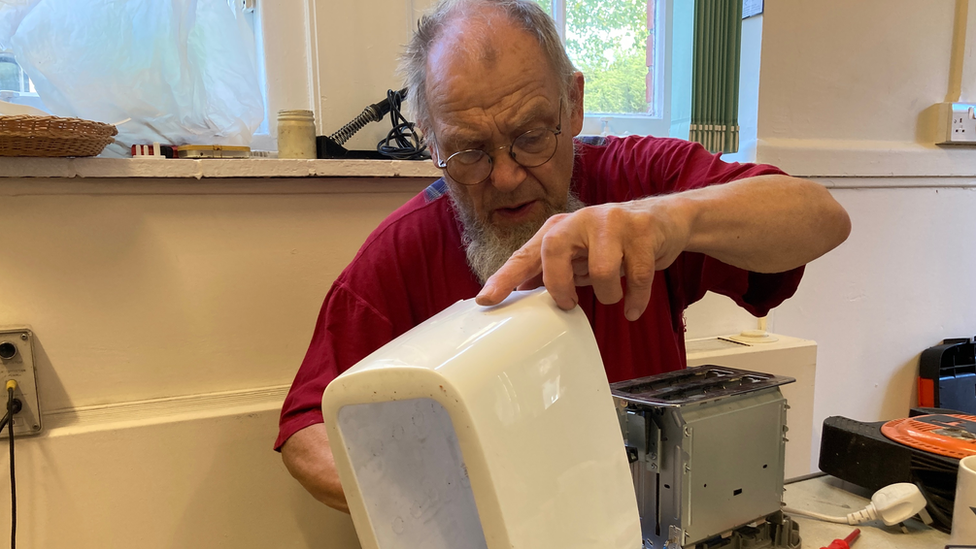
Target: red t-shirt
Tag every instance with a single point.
(413, 266)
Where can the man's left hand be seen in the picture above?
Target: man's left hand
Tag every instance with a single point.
(596, 246)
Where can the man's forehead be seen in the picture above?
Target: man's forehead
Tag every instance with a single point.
(473, 40)
(465, 128)
(489, 66)
(480, 40)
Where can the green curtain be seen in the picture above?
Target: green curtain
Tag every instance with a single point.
(715, 77)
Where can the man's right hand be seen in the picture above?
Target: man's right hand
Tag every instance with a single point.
(308, 457)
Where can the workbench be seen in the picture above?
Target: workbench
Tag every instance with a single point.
(831, 496)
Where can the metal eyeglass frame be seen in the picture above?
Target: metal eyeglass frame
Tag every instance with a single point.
(443, 164)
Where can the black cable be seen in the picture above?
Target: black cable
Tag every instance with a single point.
(13, 476)
(408, 143)
(937, 507)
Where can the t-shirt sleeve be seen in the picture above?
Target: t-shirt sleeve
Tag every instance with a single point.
(347, 330)
(675, 166)
(685, 165)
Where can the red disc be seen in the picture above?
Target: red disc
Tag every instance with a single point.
(951, 435)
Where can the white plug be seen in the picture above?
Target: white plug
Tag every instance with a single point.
(892, 504)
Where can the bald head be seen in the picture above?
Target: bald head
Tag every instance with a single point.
(470, 28)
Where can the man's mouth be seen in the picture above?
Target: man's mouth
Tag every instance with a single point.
(517, 212)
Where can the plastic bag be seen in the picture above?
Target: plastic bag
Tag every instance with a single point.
(179, 71)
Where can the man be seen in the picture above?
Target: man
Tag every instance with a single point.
(631, 230)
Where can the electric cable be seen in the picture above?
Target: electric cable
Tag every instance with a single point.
(892, 504)
(18, 406)
(939, 507)
(814, 514)
(408, 144)
(11, 385)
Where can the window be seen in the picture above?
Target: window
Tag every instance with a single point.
(264, 142)
(183, 75)
(12, 77)
(15, 86)
(621, 47)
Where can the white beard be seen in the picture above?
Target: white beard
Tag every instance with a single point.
(488, 247)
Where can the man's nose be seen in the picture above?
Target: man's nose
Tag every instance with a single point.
(506, 173)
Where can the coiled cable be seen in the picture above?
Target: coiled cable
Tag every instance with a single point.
(407, 143)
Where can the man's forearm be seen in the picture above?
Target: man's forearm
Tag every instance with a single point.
(308, 457)
(764, 224)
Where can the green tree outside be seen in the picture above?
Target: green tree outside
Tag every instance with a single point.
(606, 41)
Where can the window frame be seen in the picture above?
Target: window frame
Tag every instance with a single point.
(285, 62)
(288, 50)
(619, 124)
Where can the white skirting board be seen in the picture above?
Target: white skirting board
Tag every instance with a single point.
(177, 473)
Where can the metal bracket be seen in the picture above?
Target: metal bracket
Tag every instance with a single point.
(676, 537)
(644, 437)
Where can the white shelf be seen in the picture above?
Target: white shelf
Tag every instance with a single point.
(114, 168)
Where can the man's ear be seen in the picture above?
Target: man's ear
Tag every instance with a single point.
(577, 84)
(432, 148)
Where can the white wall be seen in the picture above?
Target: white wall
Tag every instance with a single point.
(843, 89)
(852, 70)
(139, 289)
(165, 481)
(847, 88)
(169, 316)
(900, 284)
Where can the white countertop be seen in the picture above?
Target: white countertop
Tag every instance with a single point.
(831, 496)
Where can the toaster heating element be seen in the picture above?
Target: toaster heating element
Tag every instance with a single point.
(706, 447)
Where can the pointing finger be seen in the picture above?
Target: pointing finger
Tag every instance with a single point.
(524, 264)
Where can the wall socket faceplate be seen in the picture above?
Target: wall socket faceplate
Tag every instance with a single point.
(17, 363)
(957, 124)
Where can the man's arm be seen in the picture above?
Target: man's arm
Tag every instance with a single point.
(766, 224)
(308, 457)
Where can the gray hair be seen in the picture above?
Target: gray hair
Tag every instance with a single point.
(524, 14)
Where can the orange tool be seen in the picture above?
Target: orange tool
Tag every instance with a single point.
(844, 543)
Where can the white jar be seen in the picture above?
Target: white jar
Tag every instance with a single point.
(296, 134)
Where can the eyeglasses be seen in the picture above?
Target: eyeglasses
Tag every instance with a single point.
(530, 150)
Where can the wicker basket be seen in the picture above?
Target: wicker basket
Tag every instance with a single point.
(25, 135)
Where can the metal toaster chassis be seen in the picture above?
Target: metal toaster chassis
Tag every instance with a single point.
(707, 448)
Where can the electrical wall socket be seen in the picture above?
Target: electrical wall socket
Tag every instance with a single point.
(956, 124)
(17, 363)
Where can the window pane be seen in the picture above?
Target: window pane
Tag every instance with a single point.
(12, 77)
(609, 41)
